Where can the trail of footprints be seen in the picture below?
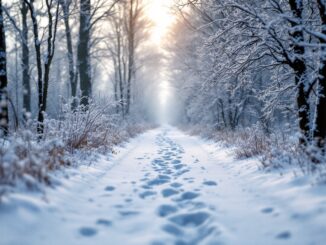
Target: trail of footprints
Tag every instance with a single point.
(187, 219)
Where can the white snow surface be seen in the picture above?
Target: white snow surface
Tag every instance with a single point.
(165, 187)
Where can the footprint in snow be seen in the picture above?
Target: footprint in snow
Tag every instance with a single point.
(199, 205)
(179, 166)
(157, 161)
(176, 185)
(87, 231)
(173, 230)
(167, 172)
(267, 210)
(176, 161)
(128, 200)
(145, 194)
(284, 235)
(188, 196)
(210, 183)
(146, 187)
(104, 222)
(128, 213)
(190, 219)
(169, 192)
(181, 172)
(110, 188)
(165, 210)
(160, 180)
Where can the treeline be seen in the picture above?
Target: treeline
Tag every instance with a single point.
(72, 51)
(243, 63)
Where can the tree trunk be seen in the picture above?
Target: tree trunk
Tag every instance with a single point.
(119, 53)
(25, 62)
(43, 82)
(37, 45)
(131, 50)
(84, 64)
(300, 69)
(71, 64)
(52, 30)
(4, 118)
(320, 117)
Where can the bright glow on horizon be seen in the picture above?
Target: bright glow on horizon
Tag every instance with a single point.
(160, 14)
(164, 93)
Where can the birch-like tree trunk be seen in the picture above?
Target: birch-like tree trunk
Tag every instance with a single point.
(25, 61)
(84, 62)
(4, 119)
(320, 119)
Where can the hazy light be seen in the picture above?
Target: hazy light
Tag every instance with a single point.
(159, 13)
(164, 93)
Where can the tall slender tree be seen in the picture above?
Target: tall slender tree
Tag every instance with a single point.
(320, 119)
(25, 60)
(4, 118)
(83, 56)
(299, 66)
(73, 77)
(43, 76)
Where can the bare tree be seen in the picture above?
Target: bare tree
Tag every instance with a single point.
(129, 28)
(25, 60)
(4, 119)
(44, 76)
(320, 118)
(84, 59)
(73, 76)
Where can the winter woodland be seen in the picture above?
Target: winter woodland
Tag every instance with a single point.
(190, 92)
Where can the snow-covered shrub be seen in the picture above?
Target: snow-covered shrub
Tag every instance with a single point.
(279, 150)
(98, 127)
(285, 152)
(250, 142)
(83, 129)
(23, 158)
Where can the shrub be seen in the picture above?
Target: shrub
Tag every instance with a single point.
(279, 150)
(25, 157)
(22, 158)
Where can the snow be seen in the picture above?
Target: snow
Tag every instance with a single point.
(165, 187)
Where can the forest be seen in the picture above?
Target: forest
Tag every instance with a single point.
(179, 109)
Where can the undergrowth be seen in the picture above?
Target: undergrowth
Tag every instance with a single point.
(279, 150)
(24, 158)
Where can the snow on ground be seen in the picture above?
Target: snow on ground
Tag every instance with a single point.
(166, 187)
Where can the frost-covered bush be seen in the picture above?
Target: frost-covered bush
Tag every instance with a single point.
(284, 152)
(99, 127)
(249, 142)
(23, 158)
(279, 150)
(84, 129)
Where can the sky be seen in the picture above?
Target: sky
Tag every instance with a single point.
(160, 13)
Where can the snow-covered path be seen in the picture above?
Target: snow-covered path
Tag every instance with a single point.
(164, 188)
